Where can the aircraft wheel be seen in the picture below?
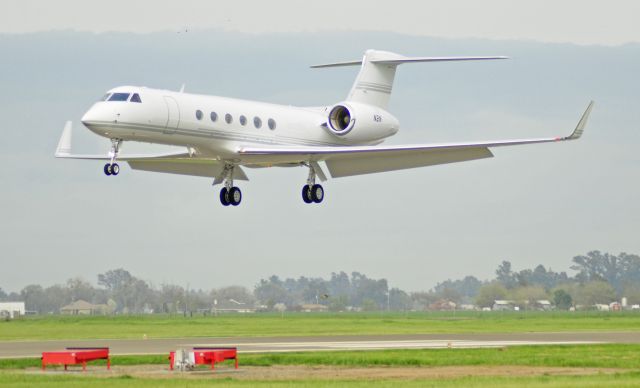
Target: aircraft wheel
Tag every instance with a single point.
(115, 169)
(107, 169)
(224, 197)
(235, 196)
(317, 193)
(306, 194)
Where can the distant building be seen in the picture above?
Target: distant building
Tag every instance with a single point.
(231, 306)
(442, 305)
(311, 307)
(543, 305)
(12, 309)
(504, 305)
(82, 307)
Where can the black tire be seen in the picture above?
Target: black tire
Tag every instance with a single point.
(317, 193)
(107, 169)
(224, 197)
(306, 194)
(235, 196)
(115, 169)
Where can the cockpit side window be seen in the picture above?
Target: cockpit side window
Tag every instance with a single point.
(119, 97)
(135, 98)
(104, 98)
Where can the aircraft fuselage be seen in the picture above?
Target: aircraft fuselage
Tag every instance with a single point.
(216, 126)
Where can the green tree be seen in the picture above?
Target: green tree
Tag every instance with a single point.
(528, 295)
(562, 299)
(488, 293)
(338, 303)
(369, 305)
(505, 275)
(595, 292)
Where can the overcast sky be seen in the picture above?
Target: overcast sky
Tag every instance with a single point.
(534, 204)
(579, 21)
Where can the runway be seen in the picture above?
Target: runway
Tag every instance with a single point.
(17, 349)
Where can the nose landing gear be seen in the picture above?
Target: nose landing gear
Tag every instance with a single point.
(112, 167)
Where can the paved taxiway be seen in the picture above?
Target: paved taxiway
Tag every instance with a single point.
(11, 349)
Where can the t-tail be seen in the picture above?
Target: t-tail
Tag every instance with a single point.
(374, 83)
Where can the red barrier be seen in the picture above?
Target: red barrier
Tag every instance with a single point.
(209, 356)
(76, 356)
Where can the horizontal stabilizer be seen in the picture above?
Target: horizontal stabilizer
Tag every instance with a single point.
(400, 59)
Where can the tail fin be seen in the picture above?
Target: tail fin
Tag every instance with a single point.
(374, 82)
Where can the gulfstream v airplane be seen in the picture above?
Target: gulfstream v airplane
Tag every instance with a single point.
(222, 136)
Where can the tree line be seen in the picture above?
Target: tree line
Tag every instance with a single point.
(599, 278)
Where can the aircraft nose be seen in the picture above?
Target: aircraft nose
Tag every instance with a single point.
(89, 117)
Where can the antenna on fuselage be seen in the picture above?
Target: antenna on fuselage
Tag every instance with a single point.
(182, 88)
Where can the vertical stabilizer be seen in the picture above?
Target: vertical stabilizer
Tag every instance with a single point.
(374, 82)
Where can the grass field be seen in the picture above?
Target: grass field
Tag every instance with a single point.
(601, 365)
(620, 356)
(629, 379)
(614, 365)
(299, 324)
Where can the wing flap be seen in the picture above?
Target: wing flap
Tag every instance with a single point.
(194, 167)
(359, 164)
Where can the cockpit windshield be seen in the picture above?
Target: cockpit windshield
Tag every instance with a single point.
(135, 97)
(119, 97)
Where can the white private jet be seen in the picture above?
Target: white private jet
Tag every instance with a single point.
(222, 135)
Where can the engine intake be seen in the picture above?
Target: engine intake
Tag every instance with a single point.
(341, 120)
(357, 123)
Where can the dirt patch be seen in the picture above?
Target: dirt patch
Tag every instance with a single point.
(294, 372)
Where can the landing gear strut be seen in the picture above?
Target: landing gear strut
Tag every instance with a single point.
(112, 167)
(229, 195)
(312, 192)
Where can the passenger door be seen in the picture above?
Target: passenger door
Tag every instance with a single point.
(173, 115)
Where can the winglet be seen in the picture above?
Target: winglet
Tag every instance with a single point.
(581, 124)
(64, 144)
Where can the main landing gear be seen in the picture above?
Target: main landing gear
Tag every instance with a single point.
(312, 192)
(112, 167)
(229, 195)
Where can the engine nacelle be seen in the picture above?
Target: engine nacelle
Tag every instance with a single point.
(360, 123)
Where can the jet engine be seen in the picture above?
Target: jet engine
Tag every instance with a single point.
(360, 123)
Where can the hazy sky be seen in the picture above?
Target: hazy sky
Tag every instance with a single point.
(578, 21)
(533, 204)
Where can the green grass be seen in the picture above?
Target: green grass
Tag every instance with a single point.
(300, 324)
(630, 379)
(593, 356)
(597, 356)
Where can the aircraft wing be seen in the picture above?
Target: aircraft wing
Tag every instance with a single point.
(180, 162)
(357, 160)
(64, 151)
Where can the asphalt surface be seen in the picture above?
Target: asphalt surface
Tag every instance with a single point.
(15, 349)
